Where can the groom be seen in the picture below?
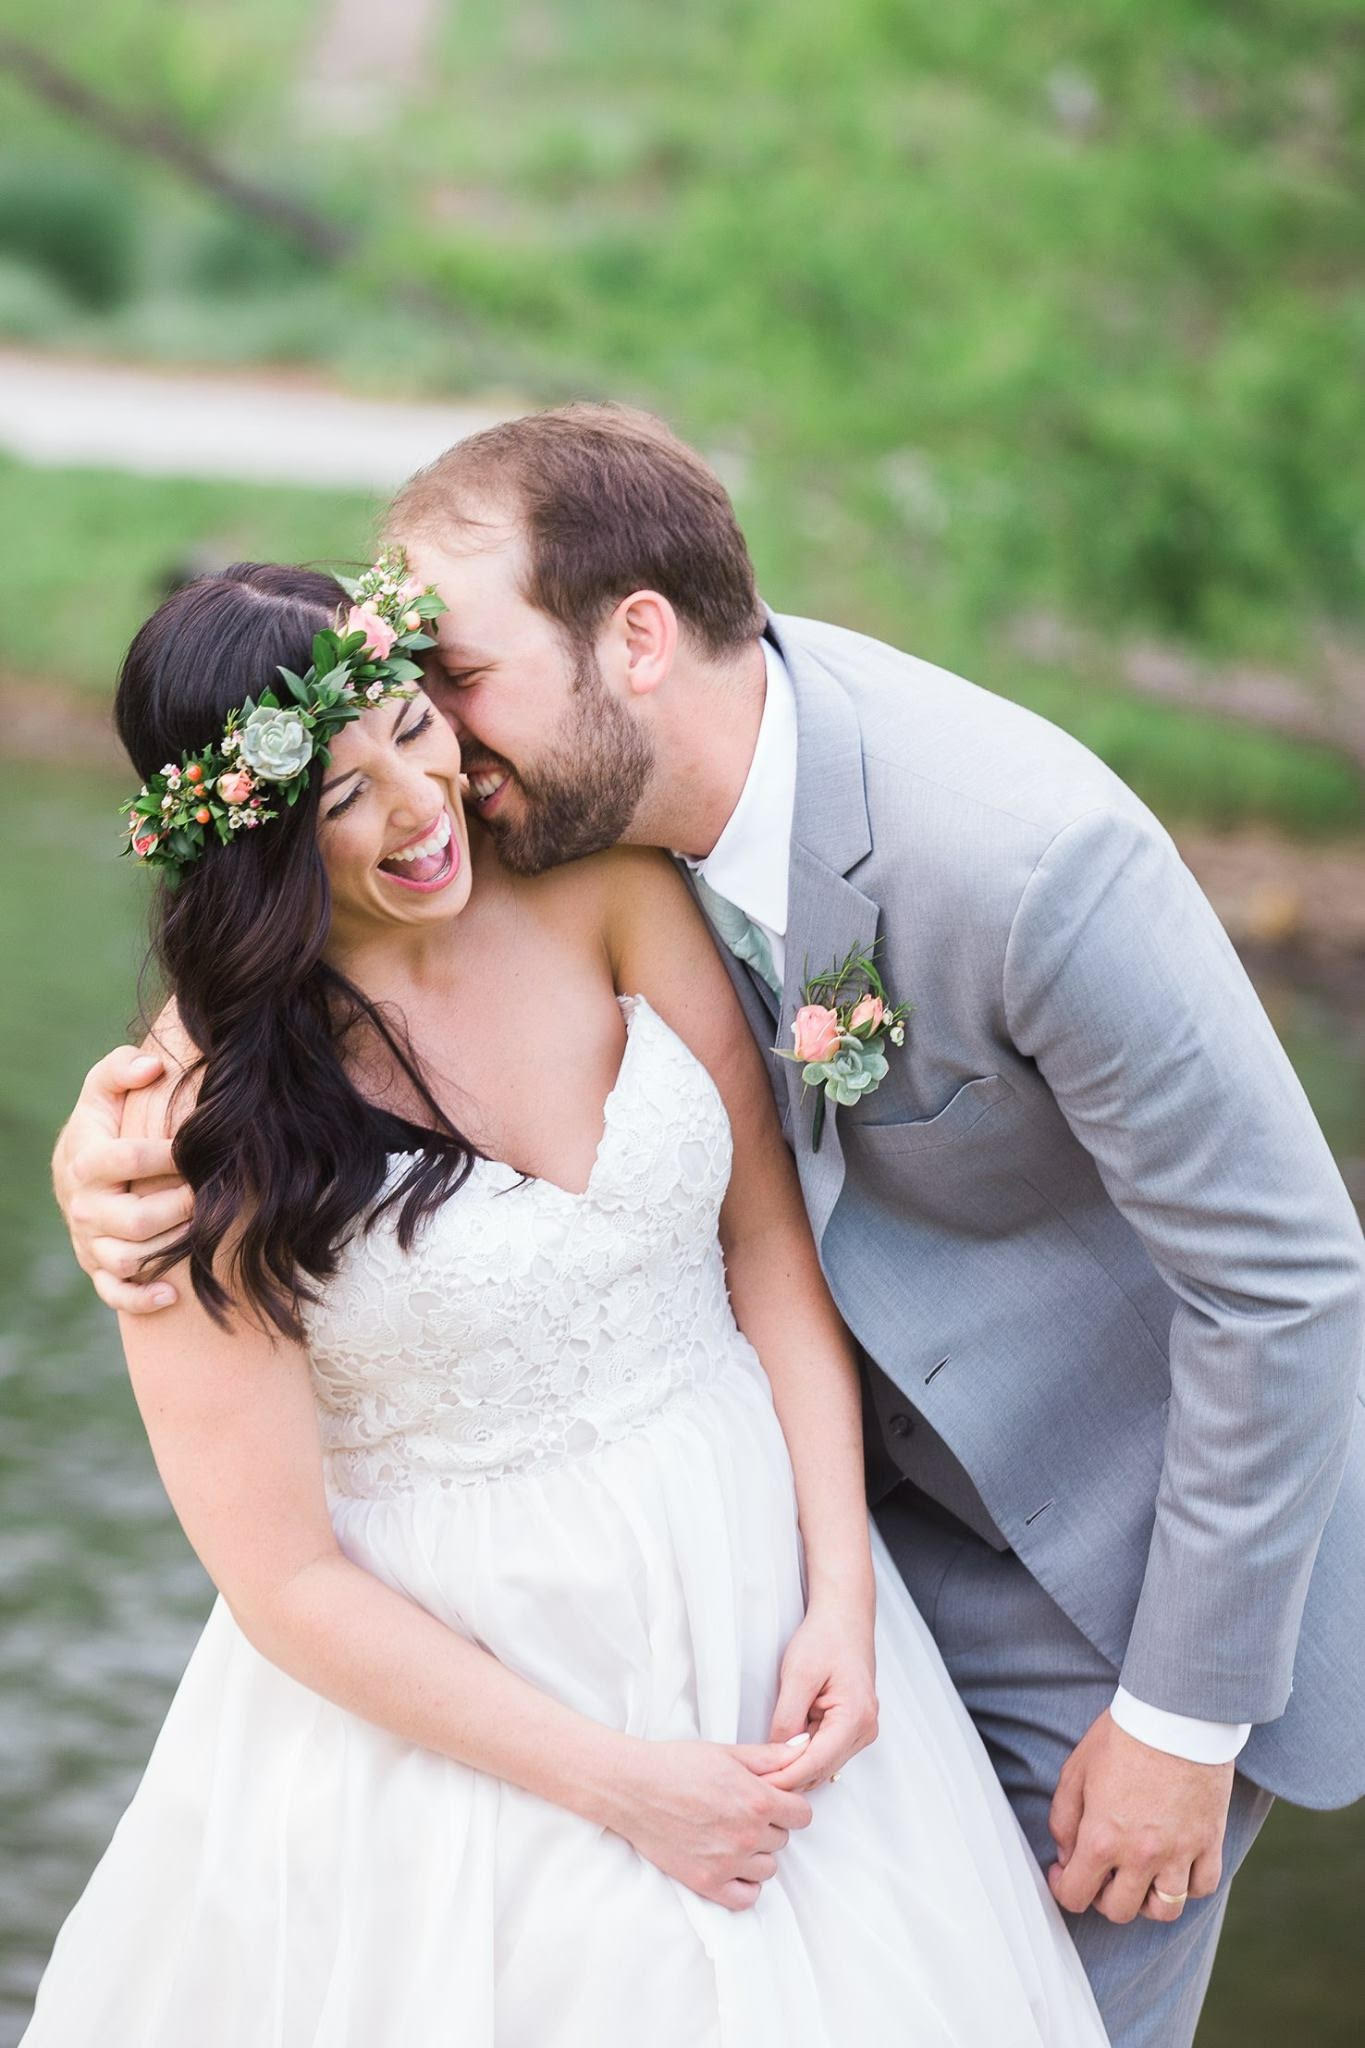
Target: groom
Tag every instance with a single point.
(1105, 1276)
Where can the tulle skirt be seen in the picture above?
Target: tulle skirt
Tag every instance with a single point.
(288, 1876)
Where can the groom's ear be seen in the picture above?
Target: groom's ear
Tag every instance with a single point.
(646, 627)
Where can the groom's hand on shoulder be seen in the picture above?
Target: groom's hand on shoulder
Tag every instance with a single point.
(96, 1173)
(1131, 1822)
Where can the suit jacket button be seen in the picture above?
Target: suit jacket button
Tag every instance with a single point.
(901, 1424)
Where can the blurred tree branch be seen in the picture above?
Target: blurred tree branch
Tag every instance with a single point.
(151, 135)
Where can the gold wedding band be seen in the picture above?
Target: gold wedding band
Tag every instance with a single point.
(1170, 1898)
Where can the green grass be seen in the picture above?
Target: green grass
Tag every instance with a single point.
(92, 552)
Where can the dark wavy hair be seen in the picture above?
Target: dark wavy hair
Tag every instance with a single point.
(283, 1151)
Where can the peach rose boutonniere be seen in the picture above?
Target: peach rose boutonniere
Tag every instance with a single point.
(840, 1033)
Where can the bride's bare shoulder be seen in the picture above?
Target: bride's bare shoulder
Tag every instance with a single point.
(158, 1110)
(607, 891)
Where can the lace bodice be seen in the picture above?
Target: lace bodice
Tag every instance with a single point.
(528, 1323)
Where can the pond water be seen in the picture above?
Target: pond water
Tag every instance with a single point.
(100, 1598)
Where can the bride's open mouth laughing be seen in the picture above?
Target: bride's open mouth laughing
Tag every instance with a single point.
(428, 860)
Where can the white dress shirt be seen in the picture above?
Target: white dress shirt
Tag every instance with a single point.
(748, 865)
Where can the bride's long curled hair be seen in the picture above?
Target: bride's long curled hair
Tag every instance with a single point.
(282, 1150)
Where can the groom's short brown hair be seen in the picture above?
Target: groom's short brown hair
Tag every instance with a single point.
(611, 501)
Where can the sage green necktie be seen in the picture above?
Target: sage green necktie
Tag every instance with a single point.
(739, 932)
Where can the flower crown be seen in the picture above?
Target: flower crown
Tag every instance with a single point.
(267, 747)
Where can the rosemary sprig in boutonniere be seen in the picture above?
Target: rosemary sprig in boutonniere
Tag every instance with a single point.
(840, 1033)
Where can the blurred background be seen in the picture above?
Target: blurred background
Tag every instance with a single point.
(1029, 336)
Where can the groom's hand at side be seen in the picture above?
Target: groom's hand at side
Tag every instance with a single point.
(1127, 1818)
(94, 1175)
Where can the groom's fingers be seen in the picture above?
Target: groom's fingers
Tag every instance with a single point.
(1123, 1898)
(132, 1298)
(113, 1077)
(1076, 1883)
(1207, 1874)
(1175, 1884)
(1064, 1819)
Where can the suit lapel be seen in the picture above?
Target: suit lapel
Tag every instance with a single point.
(827, 915)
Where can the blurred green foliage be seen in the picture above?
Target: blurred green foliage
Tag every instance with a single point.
(72, 225)
(988, 310)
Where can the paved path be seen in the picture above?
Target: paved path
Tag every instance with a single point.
(364, 59)
(95, 416)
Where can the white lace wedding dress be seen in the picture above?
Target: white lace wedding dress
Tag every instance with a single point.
(544, 1426)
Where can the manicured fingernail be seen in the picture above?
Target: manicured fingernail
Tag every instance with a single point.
(162, 1297)
(797, 1742)
(145, 1064)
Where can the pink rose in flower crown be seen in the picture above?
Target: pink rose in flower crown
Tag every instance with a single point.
(379, 634)
(816, 1033)
(235, 787)
(144, 839)
(871, 1010)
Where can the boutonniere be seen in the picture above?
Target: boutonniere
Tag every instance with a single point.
(840, 1035)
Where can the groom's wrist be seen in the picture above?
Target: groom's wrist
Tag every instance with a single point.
(1182, 1735)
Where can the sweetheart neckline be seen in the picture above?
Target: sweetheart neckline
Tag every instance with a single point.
(631, 1006)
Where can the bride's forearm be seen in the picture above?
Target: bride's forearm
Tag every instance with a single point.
(341, 1632)
(784, 1308)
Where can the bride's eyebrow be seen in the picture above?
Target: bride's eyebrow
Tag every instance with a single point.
(404, 708)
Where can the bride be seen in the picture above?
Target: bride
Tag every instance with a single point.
(504, 1403)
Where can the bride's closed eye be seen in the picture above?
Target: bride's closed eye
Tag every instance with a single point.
(337, 810)
(404, 738)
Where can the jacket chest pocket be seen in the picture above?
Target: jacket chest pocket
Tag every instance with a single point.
(954, 1167)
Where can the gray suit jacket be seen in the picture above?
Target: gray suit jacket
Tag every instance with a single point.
(1088, 1228)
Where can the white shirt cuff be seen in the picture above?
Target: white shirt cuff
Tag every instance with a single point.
(1199, 1742)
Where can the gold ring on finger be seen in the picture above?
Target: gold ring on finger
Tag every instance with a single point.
(1169, 1898)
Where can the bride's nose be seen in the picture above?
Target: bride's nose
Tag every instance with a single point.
(414, 799)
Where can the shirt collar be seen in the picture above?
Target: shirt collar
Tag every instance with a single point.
(748, 863)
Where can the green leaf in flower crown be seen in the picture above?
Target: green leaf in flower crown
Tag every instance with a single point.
(334, 678)
(181, 844)
(351, 586)
(295, 686)
(414, 642)
(403, 671)
(326, 650)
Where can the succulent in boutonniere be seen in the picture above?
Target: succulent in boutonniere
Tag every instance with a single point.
(840, 1034)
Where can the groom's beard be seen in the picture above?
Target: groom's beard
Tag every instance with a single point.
(584, 799)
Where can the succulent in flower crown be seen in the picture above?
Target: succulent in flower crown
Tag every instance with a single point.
(269, 744)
